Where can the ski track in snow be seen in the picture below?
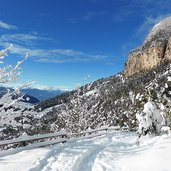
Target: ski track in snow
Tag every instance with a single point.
(95, 154)
(44, 161)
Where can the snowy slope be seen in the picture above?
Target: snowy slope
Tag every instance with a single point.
(156, 158)
(115, 151)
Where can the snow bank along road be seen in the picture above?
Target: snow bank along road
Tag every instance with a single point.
(115, 151)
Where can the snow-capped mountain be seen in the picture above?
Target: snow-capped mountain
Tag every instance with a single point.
(112, 101)
(115, 101)
(36, 94)
(43, 93)
(29, 98)
(155, 49)
(163, 27)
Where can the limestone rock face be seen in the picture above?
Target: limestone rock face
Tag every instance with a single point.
(168, 49)
(156, 47)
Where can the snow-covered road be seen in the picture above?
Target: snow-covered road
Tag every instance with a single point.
(115, 151)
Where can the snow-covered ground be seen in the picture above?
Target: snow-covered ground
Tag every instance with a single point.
(116, 151)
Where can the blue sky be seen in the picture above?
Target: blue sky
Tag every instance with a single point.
(71, 40)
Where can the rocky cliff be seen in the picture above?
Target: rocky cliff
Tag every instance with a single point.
(155, 49)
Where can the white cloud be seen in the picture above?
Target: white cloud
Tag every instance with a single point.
(149, 22)
(54, 55)
(27, 44)
(26, 39)
(7, 26)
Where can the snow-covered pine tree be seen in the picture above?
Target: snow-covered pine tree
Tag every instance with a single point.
(152, 119)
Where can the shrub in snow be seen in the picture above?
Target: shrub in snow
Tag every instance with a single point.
(76, 111)
(151, 119)
(9, 109)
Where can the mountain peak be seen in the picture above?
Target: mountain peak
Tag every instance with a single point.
(163, 27)
(155, 49)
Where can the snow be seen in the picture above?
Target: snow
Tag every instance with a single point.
(151, 118)
(50, 88)
(168, 78)
(165, 129)
(157, 158)
(115, 151)
(91, 92)
(22, 161)
(1, 129)
(131, 96)
(163, 26)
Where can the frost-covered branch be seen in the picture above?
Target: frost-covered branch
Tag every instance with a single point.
(4, 53)
(10, 108)
(9, 73)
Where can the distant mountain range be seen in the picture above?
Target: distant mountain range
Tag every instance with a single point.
(27, 97)
(35, 95)
(43, 94)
